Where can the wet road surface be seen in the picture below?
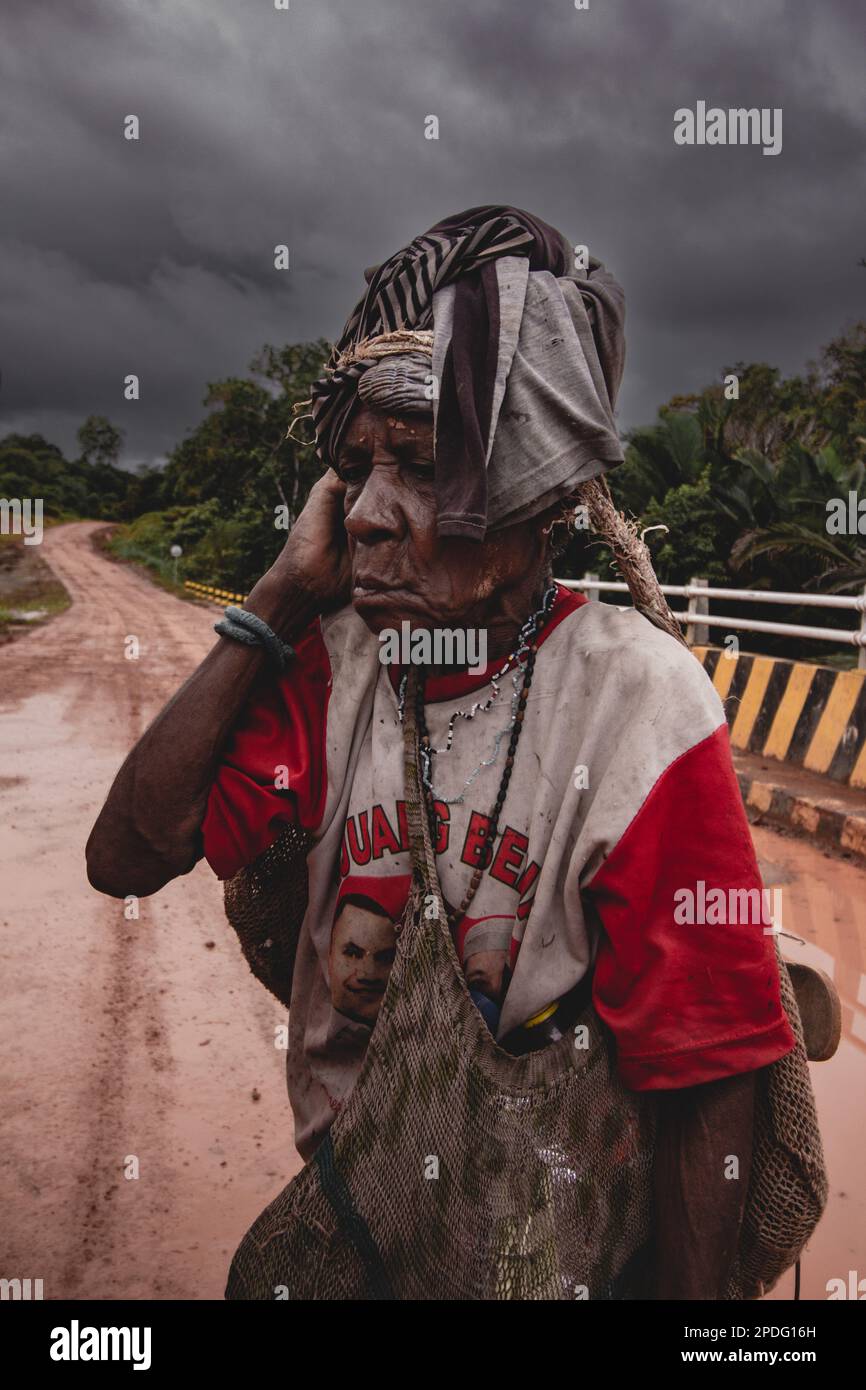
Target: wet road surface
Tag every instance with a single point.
(150, 1039)
(119, 1038)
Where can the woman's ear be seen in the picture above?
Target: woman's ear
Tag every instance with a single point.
(556, 529)
(547, 520)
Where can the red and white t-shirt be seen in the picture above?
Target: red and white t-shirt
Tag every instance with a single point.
(622, 794)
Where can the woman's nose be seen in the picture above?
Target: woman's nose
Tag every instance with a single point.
(376, 512)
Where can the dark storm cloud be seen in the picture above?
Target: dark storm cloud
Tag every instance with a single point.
(307, 127)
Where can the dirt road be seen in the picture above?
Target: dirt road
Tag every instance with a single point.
(118, 1037)
(823, 902)
(125, 1038)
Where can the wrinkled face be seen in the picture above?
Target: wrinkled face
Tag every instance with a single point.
(363, 946)
(400, 567)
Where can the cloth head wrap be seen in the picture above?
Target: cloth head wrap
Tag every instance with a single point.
(526, 354)
(399, 383)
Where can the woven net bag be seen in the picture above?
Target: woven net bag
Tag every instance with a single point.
(788, 1183)
(265, 903)
(456, 1171)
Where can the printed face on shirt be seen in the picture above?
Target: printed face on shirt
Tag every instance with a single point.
(363, 945)
(485, 971)
(400, 566)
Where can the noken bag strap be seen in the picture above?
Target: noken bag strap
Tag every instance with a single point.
(784, 1175)
(424, 867)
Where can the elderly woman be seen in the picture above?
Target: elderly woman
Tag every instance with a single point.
(576, 785)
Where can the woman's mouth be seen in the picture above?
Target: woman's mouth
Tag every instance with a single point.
(375, 591)
(375, 584)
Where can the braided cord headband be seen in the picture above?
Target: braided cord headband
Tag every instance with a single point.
(253, 631)
(386, 345)
(368, 351)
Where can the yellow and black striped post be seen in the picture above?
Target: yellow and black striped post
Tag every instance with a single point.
(808, 715)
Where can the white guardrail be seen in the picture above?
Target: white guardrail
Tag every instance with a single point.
(699, 620)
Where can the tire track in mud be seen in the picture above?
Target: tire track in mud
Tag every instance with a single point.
(132, 1010)
(104, 1103)
(97, 1224)
(145, 1037)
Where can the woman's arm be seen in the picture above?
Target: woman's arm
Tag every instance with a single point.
(149, 829)
(699, 1204)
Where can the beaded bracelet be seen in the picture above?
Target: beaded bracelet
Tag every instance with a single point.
(254, 631)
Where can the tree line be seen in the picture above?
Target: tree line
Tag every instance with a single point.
(743, 481)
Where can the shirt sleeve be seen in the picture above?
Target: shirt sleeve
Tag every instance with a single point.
(273, 769)
(688, 1001)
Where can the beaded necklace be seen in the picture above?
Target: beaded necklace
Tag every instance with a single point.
(524, 656)
(517, 660)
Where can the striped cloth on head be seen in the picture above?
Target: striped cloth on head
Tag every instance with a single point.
(466, 255)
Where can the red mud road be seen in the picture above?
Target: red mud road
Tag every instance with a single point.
(118, 1037)
(134, 1038)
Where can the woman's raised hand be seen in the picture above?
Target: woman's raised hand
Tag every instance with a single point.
(315, 556)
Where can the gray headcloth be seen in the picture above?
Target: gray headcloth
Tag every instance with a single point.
(552, 402)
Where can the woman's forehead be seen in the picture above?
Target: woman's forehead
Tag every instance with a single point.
(366, 425)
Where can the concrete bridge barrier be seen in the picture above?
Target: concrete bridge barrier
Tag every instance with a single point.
(811, 716)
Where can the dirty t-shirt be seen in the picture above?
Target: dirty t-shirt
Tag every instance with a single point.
(622, 797)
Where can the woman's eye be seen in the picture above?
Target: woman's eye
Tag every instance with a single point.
(353, 472)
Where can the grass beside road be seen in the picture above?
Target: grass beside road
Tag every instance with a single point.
(121, 544)
(30, 593)
(131, 545)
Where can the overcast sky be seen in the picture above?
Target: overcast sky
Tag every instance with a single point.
(306, 127)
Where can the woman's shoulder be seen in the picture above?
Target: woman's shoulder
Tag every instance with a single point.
(624, 648)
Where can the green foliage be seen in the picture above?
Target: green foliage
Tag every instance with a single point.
(695, 543)
(741, 485)
(238, 467)
(80, 487)
(217, 496)
(99, 441)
